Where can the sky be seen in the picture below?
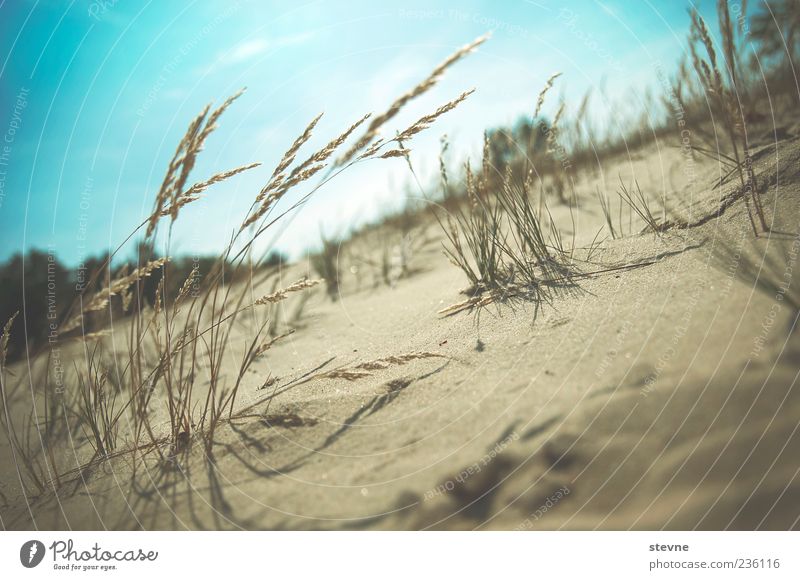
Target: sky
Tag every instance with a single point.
(95, 95)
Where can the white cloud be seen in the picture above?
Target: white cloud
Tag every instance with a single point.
(246, 50)
(249, 49)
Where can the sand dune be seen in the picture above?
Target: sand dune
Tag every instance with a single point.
(661, 393)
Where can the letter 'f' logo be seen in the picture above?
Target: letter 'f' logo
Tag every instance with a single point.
(31, 553)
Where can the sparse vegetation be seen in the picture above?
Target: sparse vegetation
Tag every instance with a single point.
(326, 264)
(497, 237)
(181, 341)
(637, 201)
(731, 102)
(155, 353)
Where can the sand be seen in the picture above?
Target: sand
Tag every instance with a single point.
(661, 395)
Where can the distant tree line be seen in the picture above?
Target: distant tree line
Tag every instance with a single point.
(42, 289)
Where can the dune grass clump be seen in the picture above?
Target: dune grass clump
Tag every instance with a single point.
(500, 244)
(637, 201)
(730, 103)
(506, 245)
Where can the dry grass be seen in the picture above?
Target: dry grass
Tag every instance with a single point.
(326, 264)
(606, 209)
(366, 369)
(118, 287)
(635, 199)
(379, 121)
(282, 294)
(168, 381)
(4, 339)
(497, 237)
(163, 385)
(728, 96)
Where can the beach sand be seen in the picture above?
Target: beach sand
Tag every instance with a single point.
(659, 394)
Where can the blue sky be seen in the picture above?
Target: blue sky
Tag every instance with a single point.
(94, 96)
